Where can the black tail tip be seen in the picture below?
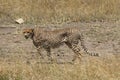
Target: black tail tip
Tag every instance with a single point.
(96, 54)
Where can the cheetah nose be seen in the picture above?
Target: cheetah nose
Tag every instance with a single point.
(26, 37)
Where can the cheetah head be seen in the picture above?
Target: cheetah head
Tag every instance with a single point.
(28, 33)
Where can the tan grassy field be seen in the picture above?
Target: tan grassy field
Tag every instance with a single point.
(18, 59)
(59, 11)
(92, 69)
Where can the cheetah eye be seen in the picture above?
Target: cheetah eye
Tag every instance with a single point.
(23, 32)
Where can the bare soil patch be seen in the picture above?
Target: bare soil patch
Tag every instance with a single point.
(103, 38)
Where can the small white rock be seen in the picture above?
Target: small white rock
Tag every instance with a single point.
(19, 21)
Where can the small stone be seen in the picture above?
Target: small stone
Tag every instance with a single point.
(19, 21)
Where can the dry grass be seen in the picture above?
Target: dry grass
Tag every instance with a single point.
(91, 69)
(59, 11)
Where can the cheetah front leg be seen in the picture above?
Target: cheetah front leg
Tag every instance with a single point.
(39, 51)
(49, 53)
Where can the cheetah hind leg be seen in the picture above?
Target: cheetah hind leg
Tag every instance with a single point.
(77, 51)
(78, 54)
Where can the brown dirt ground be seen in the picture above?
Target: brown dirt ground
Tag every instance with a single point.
(100, 37)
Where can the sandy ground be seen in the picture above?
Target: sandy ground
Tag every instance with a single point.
(100, 37)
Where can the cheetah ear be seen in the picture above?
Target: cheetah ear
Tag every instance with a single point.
(32, 30)
(32, 33)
